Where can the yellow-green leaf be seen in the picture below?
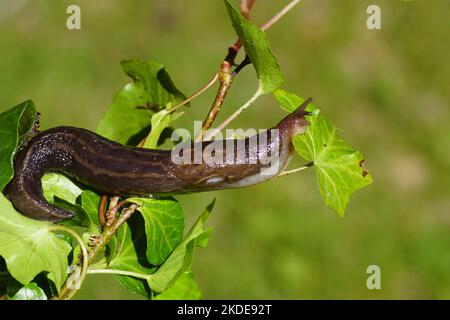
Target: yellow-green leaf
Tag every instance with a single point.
(339, 168)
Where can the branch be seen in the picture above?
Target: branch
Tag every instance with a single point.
(246, 7)
(279, 15)
(196, 94)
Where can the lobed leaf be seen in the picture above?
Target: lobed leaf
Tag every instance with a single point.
(30, 291)
(129, 254)
(185, 288)
(131, 109)
(29, 247)
(159, 122)
(180, 259)
(14, 124)
(90, 201)
(58, 185)
(164, 224)
(338, 167)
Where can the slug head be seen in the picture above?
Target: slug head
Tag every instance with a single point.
(295, 123)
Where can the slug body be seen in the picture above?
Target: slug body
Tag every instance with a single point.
(114, 169)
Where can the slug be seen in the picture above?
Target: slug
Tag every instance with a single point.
(115, 169)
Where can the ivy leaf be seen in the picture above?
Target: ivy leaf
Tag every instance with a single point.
(129, 254)
(130, 251)
(131, 109)
(58, 185)
(185, 288)
(339, 168)
(180, 259)
(257, 48)
(14, 124)
(160, 121)
(158, 85)
(40, 250)
(62, 192)
(29, 292)
(90, 202)
(164, 224)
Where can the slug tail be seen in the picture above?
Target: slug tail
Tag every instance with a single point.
(29, 200)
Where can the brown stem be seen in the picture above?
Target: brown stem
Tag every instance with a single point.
(102, 210)
(196, 94)
(113, 210)
(226, 79)
(112, 203)
(246, 7)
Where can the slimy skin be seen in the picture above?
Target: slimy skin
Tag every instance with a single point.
(115, 169)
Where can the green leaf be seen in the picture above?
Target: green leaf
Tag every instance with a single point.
(180, 259)
(29, 292)
(57, 185)
(158, 85)
(288, 101)
(130, 251)
(90, 202)
(29, 247)
(62, 192)
(257, 48)
(185, 288)
(338, 167)
(164, 225)
(14, 124)
(160, 121)
(129, 254)
(131, 109)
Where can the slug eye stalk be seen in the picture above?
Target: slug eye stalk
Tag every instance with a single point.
(301, 110)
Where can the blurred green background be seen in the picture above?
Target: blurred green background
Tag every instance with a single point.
(388, 90)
